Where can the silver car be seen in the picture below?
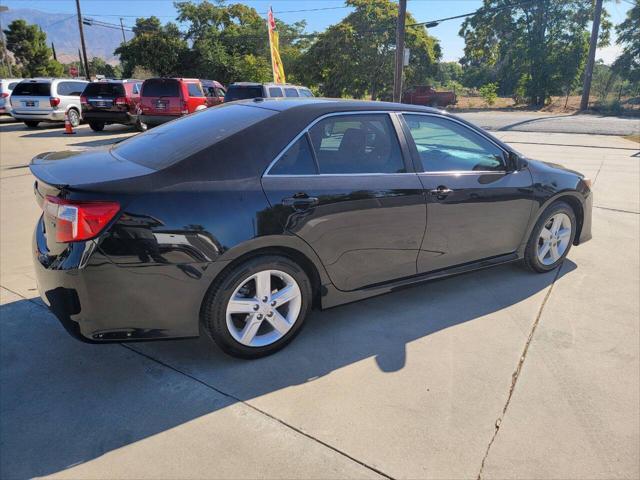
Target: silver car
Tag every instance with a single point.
(6, 87)
(47, 100)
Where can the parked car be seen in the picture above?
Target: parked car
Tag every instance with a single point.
(164, 99)
(241, 218)
(111, 101)
(6, 87)
(428, 96)
(247, 90)
(47, 100)
(214, 91)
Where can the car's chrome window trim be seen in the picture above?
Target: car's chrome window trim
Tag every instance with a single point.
(311, 125)
(477, 132)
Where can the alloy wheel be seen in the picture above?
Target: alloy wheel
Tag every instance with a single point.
(74, 118)
(554, 239)
(263, 308)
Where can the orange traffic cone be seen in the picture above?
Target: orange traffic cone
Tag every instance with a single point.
(68, 128)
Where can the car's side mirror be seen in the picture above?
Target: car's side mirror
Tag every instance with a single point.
(515, 162)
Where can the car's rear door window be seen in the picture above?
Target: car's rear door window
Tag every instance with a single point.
(363, 143)
(34, 89)
(444, 145)
(161, 87)
(195, 90)
(275, 92)
(305, 92)
(291, 92)
(70, 89)
(296, 160)
(167, 144)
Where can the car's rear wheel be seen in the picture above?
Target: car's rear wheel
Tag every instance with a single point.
(74, 117)
(257, 307)
(551, 238)
(96, 126)
(31, 124)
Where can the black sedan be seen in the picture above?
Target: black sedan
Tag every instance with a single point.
(239, 219)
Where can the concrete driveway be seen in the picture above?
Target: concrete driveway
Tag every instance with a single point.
(495, 374)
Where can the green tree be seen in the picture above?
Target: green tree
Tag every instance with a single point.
(539, 45)
(628, 63)
(355, 57)
(489, 93)
(97, 66)
(449, 72)
(28, 43)
(156, 47)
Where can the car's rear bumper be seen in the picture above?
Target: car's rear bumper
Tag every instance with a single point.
(98, 300)
(125, 118)
(157, 119)
(41, 116)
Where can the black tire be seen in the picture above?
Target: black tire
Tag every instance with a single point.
(531, 260)
(74, 117)
(96, 126)
(215, 303)
(31, 123)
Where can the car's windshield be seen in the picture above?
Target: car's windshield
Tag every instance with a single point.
(161, 87)
(242, 93)
(105, 89)
(167, 144)
(37, 89)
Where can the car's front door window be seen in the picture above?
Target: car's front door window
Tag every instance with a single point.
(444, 145)
(363, 143)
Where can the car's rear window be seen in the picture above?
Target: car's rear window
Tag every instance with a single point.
(36, 89)
(161, 88)
(104, 89)
(174, 141)
(242, 93)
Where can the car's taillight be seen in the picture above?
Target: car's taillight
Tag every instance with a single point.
(78, 220)
(84, 100)
(4, 94)
(54, 101)
(185, 107)
(122, 101)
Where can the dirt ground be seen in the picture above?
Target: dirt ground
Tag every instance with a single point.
(558, 104)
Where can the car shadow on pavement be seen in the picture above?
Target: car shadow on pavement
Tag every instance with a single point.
(533, 120)
(64, 402)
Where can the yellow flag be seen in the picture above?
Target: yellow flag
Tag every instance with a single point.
(274, 43)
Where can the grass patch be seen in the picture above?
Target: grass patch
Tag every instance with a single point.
(634, 138)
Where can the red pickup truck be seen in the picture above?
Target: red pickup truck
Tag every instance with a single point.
(427, 95)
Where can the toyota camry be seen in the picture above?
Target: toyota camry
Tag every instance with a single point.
(238, 220)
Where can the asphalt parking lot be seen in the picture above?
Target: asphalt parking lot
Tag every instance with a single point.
(495, 374)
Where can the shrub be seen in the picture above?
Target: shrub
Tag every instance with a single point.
(489, 92)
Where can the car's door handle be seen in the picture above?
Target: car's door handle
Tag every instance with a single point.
(300, 201)
(441, 191)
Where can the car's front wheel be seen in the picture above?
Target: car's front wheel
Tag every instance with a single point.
(31, 123)
(551, 238)
(257, 307)
(96, 126)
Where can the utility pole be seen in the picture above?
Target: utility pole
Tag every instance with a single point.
(397, 80)
(84, 47)
(588, 71)
(124, 39)
(53, 49)
(82, 66)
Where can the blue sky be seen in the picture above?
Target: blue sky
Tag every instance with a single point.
(422, 10)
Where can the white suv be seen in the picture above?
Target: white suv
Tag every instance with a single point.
(6, 87)
(47, 100)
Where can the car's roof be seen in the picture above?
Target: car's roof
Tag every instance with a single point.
(266, 84)
(322, 105)
(50, 80)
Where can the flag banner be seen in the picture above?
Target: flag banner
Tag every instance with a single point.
(274, 43)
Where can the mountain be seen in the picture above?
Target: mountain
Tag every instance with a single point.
(62, 30)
